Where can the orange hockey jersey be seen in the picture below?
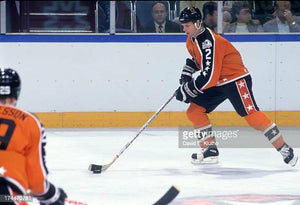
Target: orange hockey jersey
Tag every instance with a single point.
(22, 152)
(218, 60)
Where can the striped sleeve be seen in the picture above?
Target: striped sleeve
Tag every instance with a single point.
(35, 159)
(208, 76)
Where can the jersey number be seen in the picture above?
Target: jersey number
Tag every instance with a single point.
(208, 53)
(4, 140)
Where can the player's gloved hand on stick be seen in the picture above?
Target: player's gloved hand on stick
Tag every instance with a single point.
(186, 92)
(54, 196)
(188, 70)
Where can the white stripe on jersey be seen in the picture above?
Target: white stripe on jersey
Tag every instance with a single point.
(213, 59)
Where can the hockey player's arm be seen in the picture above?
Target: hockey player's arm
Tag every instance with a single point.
(191, 89)
(35, 163)
(37, 171)
(188, 70)
(208, 75)
(52, 195)
(187, 91)
(211, 53)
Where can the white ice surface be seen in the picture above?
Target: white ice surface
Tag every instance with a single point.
(153, 163)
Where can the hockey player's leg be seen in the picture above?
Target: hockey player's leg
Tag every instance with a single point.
(241, 96)
(203, 130)
(260, 121)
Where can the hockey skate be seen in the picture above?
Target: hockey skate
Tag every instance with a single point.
(209, 155)
(288, 155)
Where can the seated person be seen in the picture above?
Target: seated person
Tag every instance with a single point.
(193, 3)
(242, 19)
(262, 11)
(160, 23)
(227, 18)
(284, 21)
(210, 15)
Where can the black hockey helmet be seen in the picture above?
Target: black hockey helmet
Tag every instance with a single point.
(10, 83)
(190, 14)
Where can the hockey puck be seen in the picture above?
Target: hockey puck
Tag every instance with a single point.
(96, 169)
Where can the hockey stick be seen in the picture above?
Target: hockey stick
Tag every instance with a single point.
(97, 169)
(168, 196)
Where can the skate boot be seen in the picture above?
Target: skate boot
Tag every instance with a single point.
(288, 155)
(209, 155)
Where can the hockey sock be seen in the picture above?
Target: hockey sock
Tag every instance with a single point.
(197, 115)
(260, 121)
(205, 137)
(274, 136)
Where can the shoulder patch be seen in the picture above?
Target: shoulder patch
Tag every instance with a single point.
(206, 44)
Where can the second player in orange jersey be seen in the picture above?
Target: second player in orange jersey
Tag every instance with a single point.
(22, 148)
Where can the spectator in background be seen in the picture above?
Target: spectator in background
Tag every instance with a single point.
(210, 15)
(263, 10)
(160, 23)
(190, 4)
(227, 18)
(210, 12)
(196, 4)
(284, 21)
(242, 22)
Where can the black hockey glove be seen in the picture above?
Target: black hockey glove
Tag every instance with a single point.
(186, 92)
(54, 196)
(188, 70)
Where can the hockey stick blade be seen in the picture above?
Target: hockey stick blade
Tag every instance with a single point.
(97, 169)
(168, 196)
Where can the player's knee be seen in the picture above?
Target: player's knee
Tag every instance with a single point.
(196, 114)
(258, 120)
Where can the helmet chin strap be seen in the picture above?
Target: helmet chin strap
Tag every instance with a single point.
(198, 28)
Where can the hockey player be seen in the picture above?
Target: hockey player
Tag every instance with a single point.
(221, 75)
(22, 149)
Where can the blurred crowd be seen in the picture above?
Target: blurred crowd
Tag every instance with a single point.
(149, 16)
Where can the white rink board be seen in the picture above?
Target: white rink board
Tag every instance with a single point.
(107, 77)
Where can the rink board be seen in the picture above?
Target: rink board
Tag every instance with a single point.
(121, 80)
(164, 119)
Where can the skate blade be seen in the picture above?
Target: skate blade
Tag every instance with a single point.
(207, 160)
(293, 161)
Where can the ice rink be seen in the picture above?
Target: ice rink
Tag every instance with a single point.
(153, 163)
